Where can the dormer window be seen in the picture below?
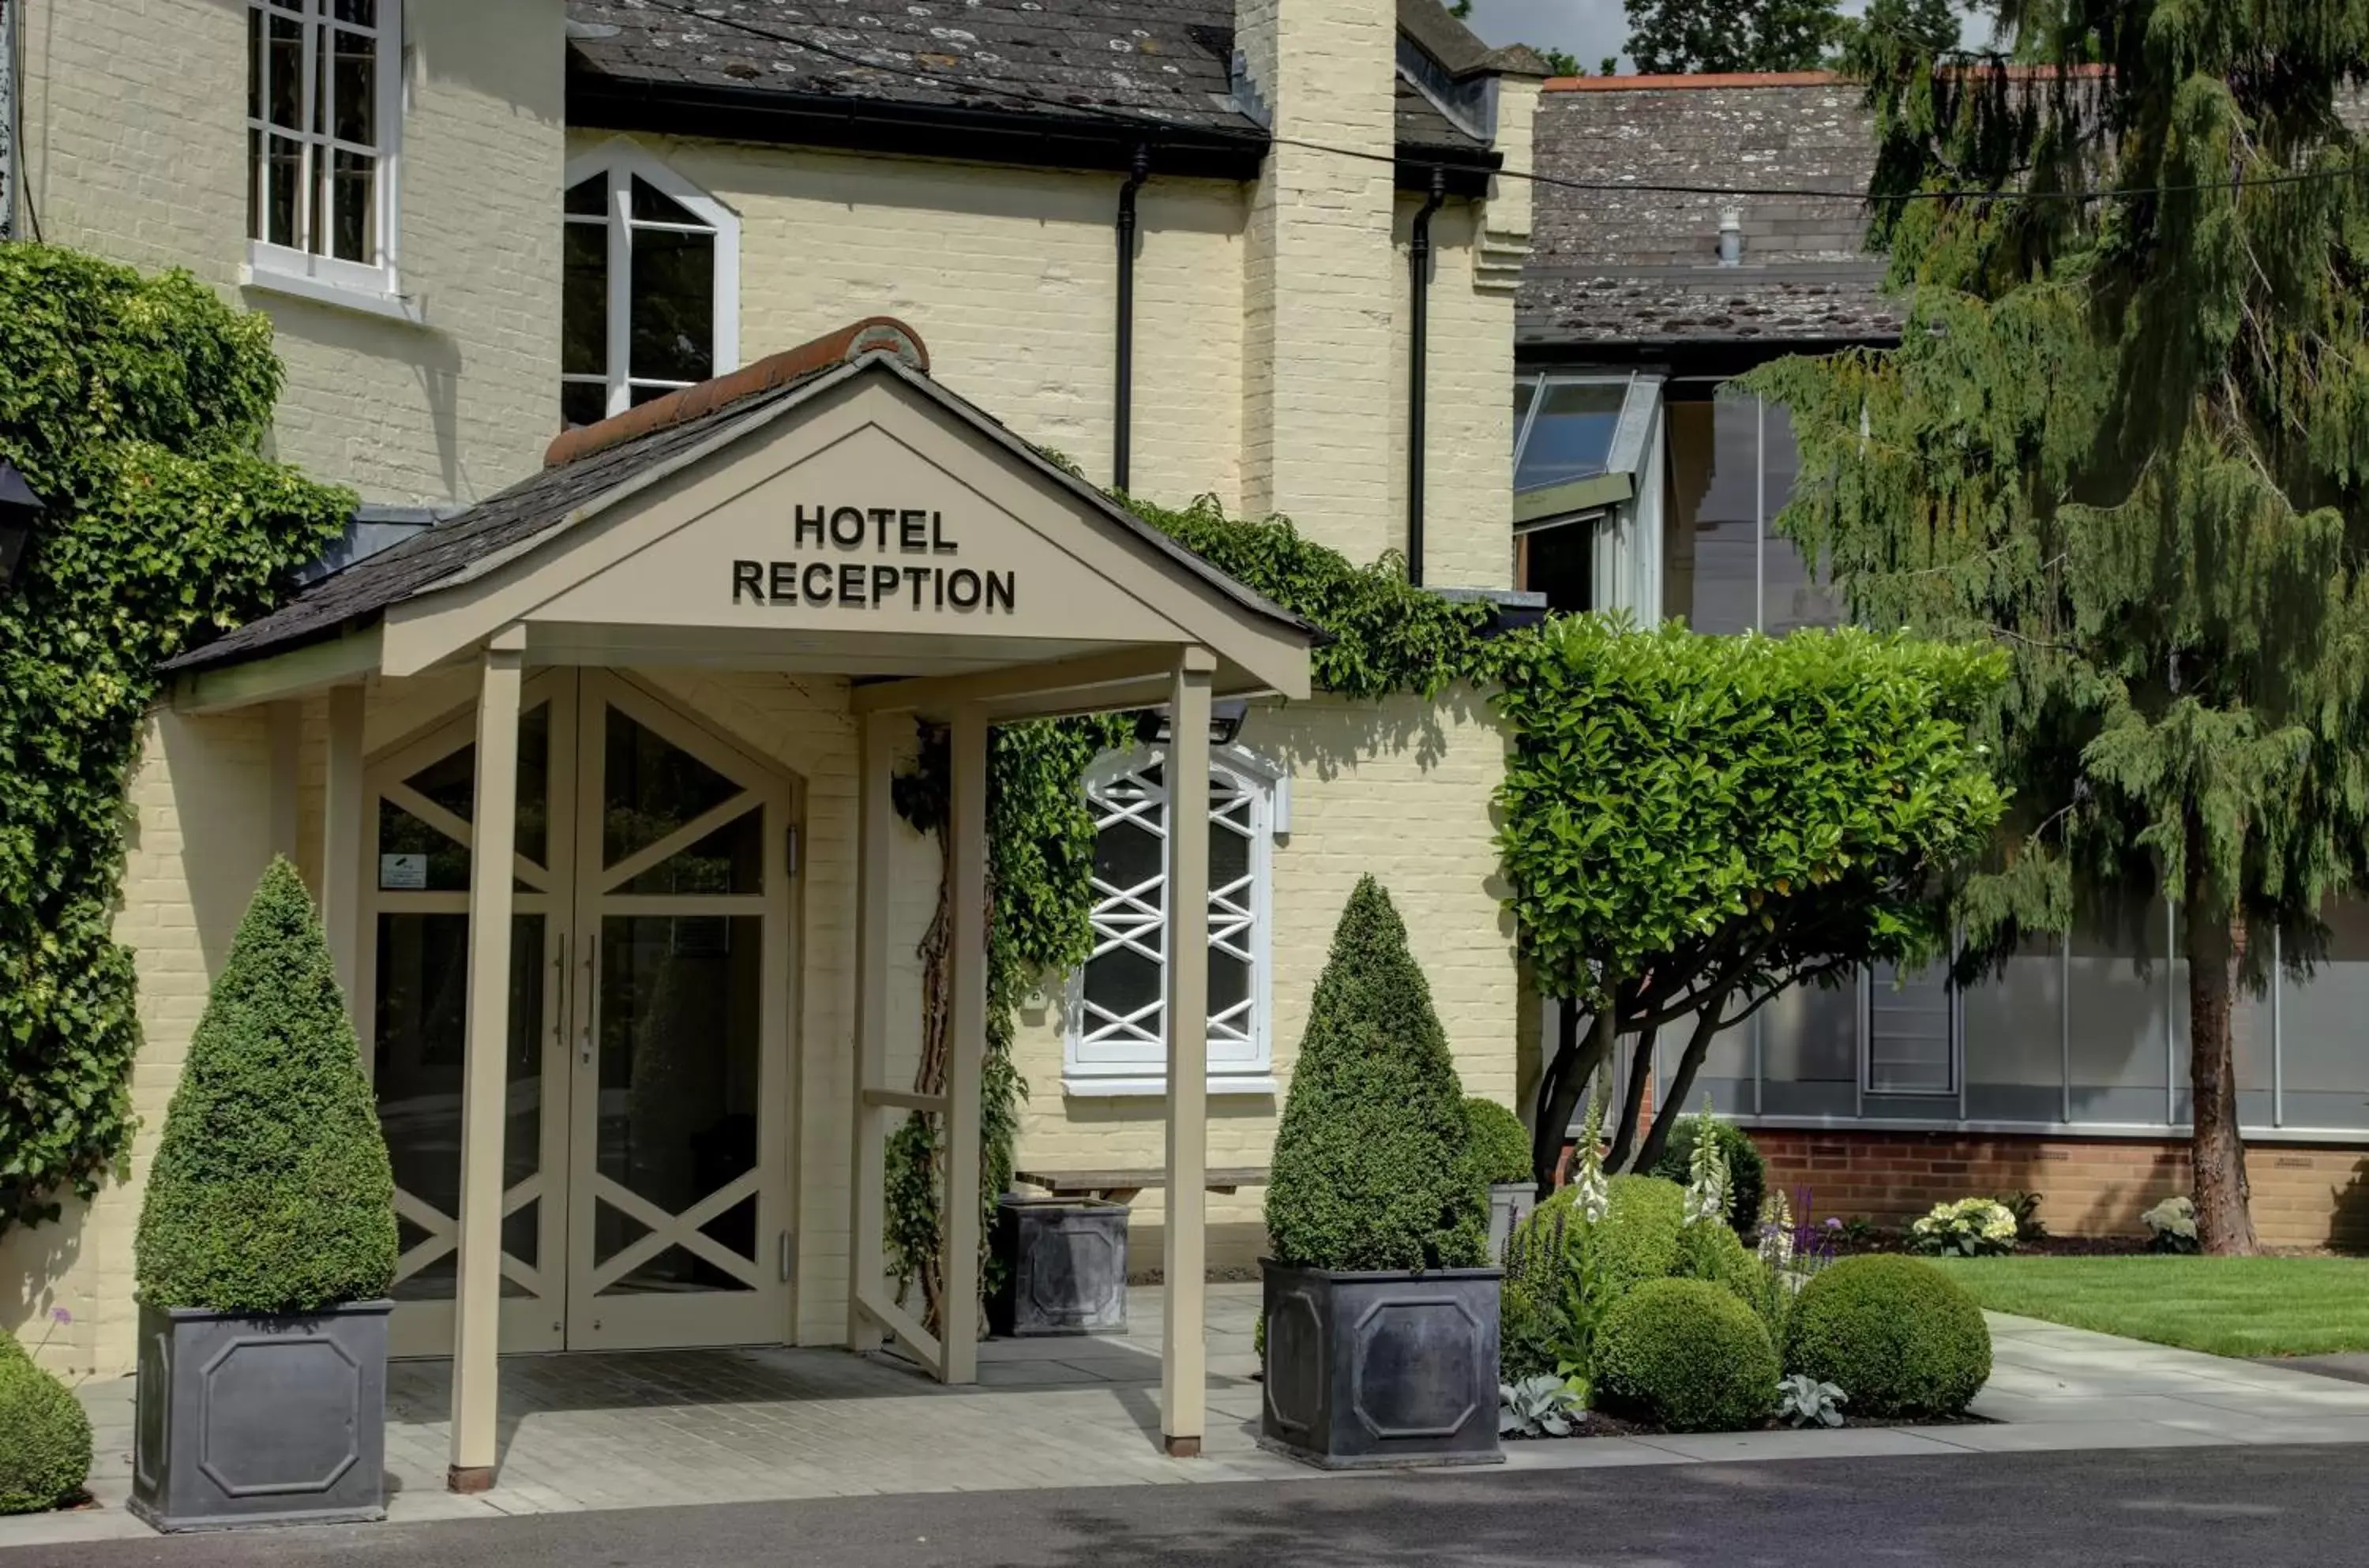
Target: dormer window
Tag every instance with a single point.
(651, 297)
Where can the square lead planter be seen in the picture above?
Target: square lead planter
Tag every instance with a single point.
(1376, 1369)
(1064, 1266)
(245, 1421)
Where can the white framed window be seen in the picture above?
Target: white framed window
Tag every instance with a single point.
(1118, 1005)
(651, 296)
(324, 117)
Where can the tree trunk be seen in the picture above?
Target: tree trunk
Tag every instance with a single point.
(2216, 1153)
(1632, 1100)
(1682, 1081)
(1564, 1083)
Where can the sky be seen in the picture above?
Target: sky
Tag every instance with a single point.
(1590, 29)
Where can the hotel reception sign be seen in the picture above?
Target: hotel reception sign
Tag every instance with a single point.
(848, 558)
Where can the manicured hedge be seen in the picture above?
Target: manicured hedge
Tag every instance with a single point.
(1899, 1337)
(44, 1436)
(1501, 1145)
(271, 1191)
(1372, 1165)
(1688, 1354)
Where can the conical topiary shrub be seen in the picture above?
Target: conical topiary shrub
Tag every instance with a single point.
(1371, 1166)
(271, 1191)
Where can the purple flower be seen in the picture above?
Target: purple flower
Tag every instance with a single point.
(60, 1315)
(1834, 1222)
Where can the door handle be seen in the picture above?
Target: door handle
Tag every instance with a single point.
(561, 1008)
(592, 999)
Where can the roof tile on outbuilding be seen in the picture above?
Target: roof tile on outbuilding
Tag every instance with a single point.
(1614, 267)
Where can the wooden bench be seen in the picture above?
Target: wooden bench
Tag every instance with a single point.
(1120, 1185)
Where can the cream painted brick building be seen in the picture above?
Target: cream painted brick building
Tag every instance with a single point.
(579, 204)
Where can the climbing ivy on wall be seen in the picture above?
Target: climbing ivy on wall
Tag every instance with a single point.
(136, 406)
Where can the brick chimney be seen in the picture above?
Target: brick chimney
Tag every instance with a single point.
(1320, 272)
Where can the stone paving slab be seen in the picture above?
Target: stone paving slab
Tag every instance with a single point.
(626, 1430)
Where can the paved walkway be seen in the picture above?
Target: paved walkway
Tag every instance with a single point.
(630, 1430)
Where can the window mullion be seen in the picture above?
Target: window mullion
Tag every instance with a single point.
(308, 47)
(621, 265)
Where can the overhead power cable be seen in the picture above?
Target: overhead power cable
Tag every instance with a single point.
(1153, 124)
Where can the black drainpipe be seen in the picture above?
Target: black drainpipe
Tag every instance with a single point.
(1123, 398)
(1419, 266)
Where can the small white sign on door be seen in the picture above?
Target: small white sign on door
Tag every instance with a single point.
(403, 871)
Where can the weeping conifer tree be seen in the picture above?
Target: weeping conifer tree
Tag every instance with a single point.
(2126, 435)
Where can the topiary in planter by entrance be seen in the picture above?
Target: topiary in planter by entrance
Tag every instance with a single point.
(265, 1244)
(1380, 1329)
(270, 1191)
(44, 1436)
(1370, 1161)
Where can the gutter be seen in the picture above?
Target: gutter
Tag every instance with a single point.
(969, 132)
(1419, 269)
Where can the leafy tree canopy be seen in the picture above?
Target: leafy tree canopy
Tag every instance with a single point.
(1699, 37)
(1692, 824)
(2122, 437)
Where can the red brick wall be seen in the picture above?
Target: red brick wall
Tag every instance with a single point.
(2304, 1194)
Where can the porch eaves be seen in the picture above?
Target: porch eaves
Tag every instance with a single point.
(584, 477)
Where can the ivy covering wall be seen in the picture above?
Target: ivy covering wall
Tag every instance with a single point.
(137, 407)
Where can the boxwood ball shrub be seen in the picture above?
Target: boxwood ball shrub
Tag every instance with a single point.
(1899, 1337)
(1501, 1146)
(1372, 1168)
(271, 1191)
(44, 1436)
(1638, 1238)
(1685, 1353)
(1747, 1173)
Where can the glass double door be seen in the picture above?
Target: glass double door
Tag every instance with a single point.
(645, 1135)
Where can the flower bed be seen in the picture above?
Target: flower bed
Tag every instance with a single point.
(1630, 1305)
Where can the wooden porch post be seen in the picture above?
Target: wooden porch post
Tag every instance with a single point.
(341, 841)
(876, 843)
(478, 1292)
(967, 1041)
(1184, 1358)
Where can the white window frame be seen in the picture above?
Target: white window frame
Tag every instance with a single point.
(1129, 1057)
(622, 160)
(373, 286)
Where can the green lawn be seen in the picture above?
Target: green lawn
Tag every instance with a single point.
(2226, 1306)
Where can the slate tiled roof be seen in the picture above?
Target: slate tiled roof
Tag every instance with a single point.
(1420, 125)
(1165, 59)
(513, 517)
(1614, 268)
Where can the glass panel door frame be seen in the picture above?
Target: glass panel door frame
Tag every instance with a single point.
(758, 1307)
(532, 1308)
